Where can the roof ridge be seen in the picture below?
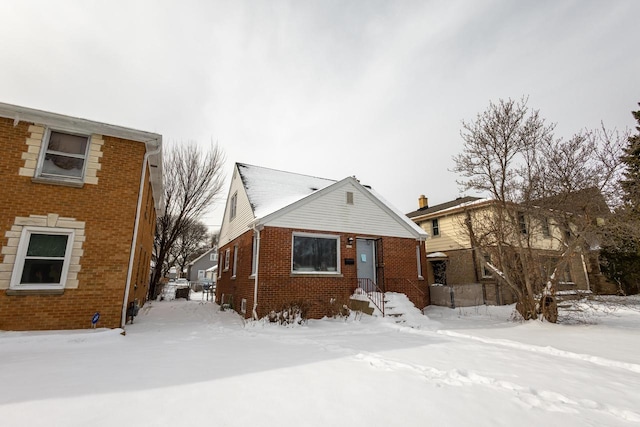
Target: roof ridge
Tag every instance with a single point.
(283, 171)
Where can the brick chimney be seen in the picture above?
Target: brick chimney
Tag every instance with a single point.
(423, 202)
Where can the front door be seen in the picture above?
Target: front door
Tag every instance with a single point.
(365, 249)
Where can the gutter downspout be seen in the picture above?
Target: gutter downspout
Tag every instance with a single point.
(254, 312)
(127, 287)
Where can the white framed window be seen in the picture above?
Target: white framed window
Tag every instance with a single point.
(42, 258)
(243, 306)
(254, 255)
(233, 206)
(63, 156)
(235, 261)
(435, 227)
(315, 253)
(201, 274)
(213, 257)
(419, 261)
(227, 253)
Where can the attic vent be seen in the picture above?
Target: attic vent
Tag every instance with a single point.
(349, 198)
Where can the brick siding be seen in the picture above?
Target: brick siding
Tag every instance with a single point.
(277, 287)
(108, 212)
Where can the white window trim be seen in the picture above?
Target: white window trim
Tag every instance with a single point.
(419, 263)
(254, 253)
(227, 253)
(235, 261)
(25, 237)
(43, 153)
(435, 231)
(320, 236)
(233, 209)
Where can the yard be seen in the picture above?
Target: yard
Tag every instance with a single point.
(186, 363)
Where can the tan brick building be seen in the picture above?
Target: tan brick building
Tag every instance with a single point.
(78, 207)
(289, 238)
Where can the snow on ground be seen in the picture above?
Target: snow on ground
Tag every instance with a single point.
(186, 363)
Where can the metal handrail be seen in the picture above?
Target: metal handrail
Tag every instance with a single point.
(373, 292)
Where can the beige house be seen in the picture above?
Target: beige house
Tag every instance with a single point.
(459, 275)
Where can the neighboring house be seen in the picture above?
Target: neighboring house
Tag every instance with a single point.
(198, 267)
(454, 266)
(295, 239)
(77, 218)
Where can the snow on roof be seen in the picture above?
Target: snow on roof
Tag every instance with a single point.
(437, 255)
(270, 190)
(399, 214)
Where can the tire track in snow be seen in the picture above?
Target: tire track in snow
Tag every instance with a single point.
(596, 360)
(542, 399)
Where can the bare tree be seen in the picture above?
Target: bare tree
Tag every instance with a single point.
(191, 243)
(192, 182)
(534, 180)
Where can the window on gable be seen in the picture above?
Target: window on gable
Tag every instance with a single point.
(315, 253)
(435, 227)
(233, 206)
(42, 259)
(64, 156)
(349, 197)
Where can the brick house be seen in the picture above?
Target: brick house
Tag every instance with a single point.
(77, 219)
(289, 238)
(460, 276)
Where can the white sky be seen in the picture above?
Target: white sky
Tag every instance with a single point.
(375, 89)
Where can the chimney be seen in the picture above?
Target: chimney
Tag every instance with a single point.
(423, 202)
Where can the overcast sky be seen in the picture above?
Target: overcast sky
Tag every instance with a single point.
(375, 89)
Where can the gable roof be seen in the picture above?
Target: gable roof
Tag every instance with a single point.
(269, 190)
(274, 194)
(207, 252)
(444, 206)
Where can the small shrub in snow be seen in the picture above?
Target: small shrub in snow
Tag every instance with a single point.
(294, 313)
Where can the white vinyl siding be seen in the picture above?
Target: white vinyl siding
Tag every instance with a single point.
(330, 212)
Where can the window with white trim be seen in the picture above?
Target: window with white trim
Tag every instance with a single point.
(243, 306)
(63, 156)
(435, 227)
(227, 253)
(315, 253)
(419, 261)
(42, 258)
(233, 206)
(254, 255)
(235, 261)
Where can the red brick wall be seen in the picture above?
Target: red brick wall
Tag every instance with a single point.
(108, 209)
(277, 287)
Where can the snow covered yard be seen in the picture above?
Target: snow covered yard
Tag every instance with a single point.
(185, 363)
